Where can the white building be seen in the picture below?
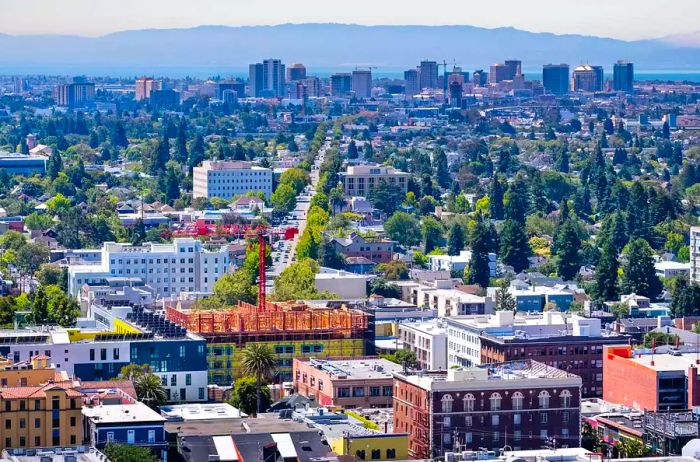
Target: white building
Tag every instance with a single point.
(669, 269)
(344, 284)
(459, 262)
(695, 253)
(185, 265)
(227, 179)
(448, 301)
(428, 340)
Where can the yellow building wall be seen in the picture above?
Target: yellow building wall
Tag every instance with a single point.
(121, 327)
(382, 442)
(227, 363)
(76, 335)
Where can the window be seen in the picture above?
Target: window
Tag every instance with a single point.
(468, 437)
(374, 391)
(565, 397)
(8, 424)
(343, 392)
(543, 417)
(543, 434)
(37, 441)
(37, 423)
(517, 401)
(496, 436)
(495, 420)
(173, 380)
(358, 392)
(115, 353)
(110, 437)
(391, 453)
(495, 401)
(360, 454)
(565, 417)
(8, 406)
(543, 398)
(447, 403)
(376, 454)
(22, 423)
(446, 439)
(446, 422)
(72, 439)
(103, 354)
(92, 354)
(182, 351)
(22, 405)
(8, 442)
(72, 421)
(151, 436)
(469, 402)
(37, 404)
(130, 436)
(188, 379)
(517, 435)
(468, 421)
(516, 419)
(201, 392)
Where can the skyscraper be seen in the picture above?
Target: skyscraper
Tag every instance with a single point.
(428, 74)
(341, 84)
(79, 93)
(480, 78)
(267, 79)
(296, 72)
(362, 84)
(623, 76)
(588, 78)
(255, 80)
(515, 67)
(456, 87)
(412, 78)
(498, 73)
(145, 85)
(555, 78)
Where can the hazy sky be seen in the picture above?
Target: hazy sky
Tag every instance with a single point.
(626, 19)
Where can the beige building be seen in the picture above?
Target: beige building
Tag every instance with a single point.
(359, 180)
(227, 179)
(144, 86)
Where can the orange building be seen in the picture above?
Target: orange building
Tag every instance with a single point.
(650, 382)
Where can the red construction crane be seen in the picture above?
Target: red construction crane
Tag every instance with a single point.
(262, 232)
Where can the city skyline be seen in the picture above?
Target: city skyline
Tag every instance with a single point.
(624, 19)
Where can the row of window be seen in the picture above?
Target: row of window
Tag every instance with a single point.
(359, 392)
(375, 454)
(55, 441)
(496, 419)
(495, 400)
(517, 435)
(55, 423)
(173, 380)
(55, 405)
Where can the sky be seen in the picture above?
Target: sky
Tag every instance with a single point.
(623, 19)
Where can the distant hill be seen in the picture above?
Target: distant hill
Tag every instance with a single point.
(207, 50)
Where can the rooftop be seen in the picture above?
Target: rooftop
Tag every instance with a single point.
(81, 454)
(356, 369)
(667, 362)
(118, 413)
(212, 411)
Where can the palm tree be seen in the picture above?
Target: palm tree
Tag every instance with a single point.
(149, 390)
(258, 360)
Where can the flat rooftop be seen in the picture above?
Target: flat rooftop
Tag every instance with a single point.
(81, 454)
(117, 413)
(664, 362)
(356, 369)
(209, 411)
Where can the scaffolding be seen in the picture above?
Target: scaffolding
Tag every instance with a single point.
(285, 318)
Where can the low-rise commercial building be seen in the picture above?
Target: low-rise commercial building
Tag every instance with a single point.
(344, 284)
(518, 404)
(359, 180)
(348, 383)
(662, 381)
(15, 163)
(227, 179)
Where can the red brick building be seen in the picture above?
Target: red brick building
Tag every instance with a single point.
(524, 405)
(650, 382)
(348, 383)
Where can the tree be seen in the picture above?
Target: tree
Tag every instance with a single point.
(298, 281)
(38, 221)
(432, 234)
(249, 396)
(686, 298)
(504, 299)
(639, 275)
(567, 249)
(128, 453)
(172, 186)
(31, 256)
(50, 274)
(479, 271)
(40, 306)
(258, 360)
(54, 166)
(516, 201)
(395, 270)
(296, 178)
(320, 200)
(379, 286)
(352, 150)
(234, 287)
(150, 390)
(606, 273)
(181, 153)
(515, 249)
(284, 198)
(329, 257)
(387, 197)
(496, 199)
(455, 239)
(441, 170)
(403, 228)
(119, 135)
(666, 131)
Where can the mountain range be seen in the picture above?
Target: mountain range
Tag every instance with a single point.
(325, 48)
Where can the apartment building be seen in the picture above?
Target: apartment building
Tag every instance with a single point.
(520, 404)
(376, 250)
(441, 296)
(428, 340)
(459, 262)
(359, 180)
(177, 357)
(227, 179)
(348, 383)
(570, 343)
(695, 254)
(185, 265)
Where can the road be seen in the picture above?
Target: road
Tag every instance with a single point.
(284, 252)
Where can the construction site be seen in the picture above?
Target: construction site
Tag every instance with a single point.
(289, 329)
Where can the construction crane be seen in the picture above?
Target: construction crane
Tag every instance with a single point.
(262, 232)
